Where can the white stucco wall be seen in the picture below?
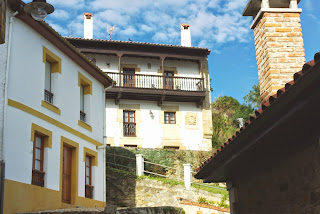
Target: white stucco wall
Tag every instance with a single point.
(3, 65)
(151, 131)
(26, 86)
(184, 68)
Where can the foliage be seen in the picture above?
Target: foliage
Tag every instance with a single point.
(253, 98)
(222, 192)
(163, 180)
(225, 112)
(124, 173)
(202, 200)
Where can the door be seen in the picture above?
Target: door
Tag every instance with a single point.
(168, 80)
(66, 175)
(128, 77)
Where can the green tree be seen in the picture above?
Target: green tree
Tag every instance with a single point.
(253, 98)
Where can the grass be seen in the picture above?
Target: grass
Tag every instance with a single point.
(221, 203)
(222, 192)
(163, 180)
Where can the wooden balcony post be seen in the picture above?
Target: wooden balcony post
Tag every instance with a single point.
(119, 67)
(162, 69)
(201, 71)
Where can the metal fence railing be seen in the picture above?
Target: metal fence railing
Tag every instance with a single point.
(140, 166)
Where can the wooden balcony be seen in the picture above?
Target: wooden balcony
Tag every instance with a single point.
(156, 88)
(89, 191)
(38, 178)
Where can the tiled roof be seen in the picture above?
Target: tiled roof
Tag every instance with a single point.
(137, 43)
(267, 105)
(18, 6)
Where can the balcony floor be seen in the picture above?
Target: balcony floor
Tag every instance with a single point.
(158, 95)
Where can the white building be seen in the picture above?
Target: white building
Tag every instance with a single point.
(161, 95)
(53, 119)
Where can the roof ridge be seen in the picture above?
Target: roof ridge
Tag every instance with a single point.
(141, 43)
(266, 105)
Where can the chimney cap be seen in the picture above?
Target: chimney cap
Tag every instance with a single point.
(88, 14)
(185, 26)
(254, 6)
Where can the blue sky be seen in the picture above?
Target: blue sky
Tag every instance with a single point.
(215, 24)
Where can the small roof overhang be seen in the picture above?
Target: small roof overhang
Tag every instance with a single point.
(254, 6)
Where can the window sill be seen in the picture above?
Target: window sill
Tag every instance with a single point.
(51, 107)
(85, 125)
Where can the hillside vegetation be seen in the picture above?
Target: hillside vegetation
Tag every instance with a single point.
(226, 111)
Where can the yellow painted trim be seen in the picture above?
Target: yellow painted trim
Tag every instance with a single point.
(48, 119)
(74, 167)
(92, 154)
(173, 69)
(54, 60)
(51, 107)
(129, 106)
(135, 66)
(21, 198)
(42, 131)
(86, 83)
(85, 125)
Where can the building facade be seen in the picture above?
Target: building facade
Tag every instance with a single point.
(161, 94)
(53, 124)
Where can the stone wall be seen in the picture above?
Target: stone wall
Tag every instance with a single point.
(279, 50)
(155, 193)
(126, 191)
(288, 187)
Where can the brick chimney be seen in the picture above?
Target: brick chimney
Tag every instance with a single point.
(278, 42)
(88, 25)
(185, 35)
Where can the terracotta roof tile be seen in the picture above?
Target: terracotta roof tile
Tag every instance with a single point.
(137, 43)
(264, 106)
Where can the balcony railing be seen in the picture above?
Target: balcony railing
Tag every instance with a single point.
(129, 129)
(82, 116)
(89, 191)
(38, 178)
(48, 96)
(157, 82)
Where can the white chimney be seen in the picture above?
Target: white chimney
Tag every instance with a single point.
(88, 25)
(185, 35)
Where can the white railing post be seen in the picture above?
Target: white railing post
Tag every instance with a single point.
(187, 175)
(139, 165)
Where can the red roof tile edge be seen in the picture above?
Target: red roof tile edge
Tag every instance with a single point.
(266, 105)
(141, 43)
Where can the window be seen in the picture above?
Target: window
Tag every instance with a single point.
(129, 125)
(85, 86)
(169, 117)
(41, 138)
(48, 95)
(89, 187)
(82, 114)
(52, 66)
(128, 77)
(168, 80)
(37, 163)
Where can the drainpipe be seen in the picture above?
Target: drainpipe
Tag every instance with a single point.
(2, 169)
(104, 147)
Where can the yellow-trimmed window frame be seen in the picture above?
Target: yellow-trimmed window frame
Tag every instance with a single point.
(54, 60)
(36, 129)
(86, 83)
(92, 154)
